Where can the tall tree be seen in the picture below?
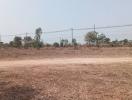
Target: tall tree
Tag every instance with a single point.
(91, 37)
(38, 34)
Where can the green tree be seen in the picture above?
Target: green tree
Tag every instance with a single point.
(74, 41)
(17, 42)
(28, 41)
(91, 37)
(125, 41)
(101, 38)
(107, 40)
(63, 42)
(56, 44)
(38, 34)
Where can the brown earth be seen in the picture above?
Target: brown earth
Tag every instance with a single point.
(66, 74)
(13, 53)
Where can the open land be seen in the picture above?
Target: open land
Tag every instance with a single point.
(66, 74)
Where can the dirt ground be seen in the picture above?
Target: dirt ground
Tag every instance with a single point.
(66, 74)
(50, 52)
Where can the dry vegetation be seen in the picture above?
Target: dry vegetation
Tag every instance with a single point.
(69, 81)
(51, 52)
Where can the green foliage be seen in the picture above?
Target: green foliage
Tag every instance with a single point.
(27, 39)
(64, 43)
(91, 37)
(125, 41)
(107, 40)
(38, 34)
(101, 38)
(28, 42)
(17, 42)
(38, 43)
(96, 38)
(74, 41)
(56, 44)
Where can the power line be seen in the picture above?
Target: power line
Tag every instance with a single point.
(66, 30)
(106, 27)
(17, 34)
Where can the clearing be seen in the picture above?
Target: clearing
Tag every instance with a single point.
(66, 74)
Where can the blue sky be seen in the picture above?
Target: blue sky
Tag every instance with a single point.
(20, 16)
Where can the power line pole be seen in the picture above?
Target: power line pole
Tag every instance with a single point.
(94, 28)
(25, 39)
(72, 35)
(96, 35)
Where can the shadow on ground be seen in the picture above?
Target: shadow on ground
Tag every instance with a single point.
(17, 93)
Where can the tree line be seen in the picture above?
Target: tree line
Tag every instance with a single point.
(92, 38)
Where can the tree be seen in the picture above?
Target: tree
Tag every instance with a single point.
(91, 37)
(28, 41)
(125, 41)
(11, 43)
(56, 44)
(115, 43)
(107, 40)
(38, 34)
(63, 42)
(17, 42)
(101, 38)
(74, 41)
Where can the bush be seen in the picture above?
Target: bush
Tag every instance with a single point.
(56, 44)
(38, 45)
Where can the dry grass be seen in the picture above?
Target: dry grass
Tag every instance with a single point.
(13, 53)
(67, 82)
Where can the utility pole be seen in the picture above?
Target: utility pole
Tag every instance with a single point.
(26, 38)
(72, 35)
(96, 35)
(94, 28)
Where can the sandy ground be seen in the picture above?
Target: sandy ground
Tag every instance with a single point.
(60, 61)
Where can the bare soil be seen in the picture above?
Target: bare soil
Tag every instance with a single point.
(60, 74)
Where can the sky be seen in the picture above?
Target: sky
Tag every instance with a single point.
(21, 16)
